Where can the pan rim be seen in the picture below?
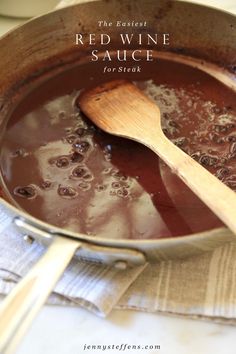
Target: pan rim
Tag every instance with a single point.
(57, 231)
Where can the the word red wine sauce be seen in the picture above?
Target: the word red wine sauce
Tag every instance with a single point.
(61, 169)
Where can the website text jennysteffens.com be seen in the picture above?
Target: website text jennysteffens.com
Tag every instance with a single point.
(121, 347)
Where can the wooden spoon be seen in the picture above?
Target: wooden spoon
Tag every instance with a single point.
(120, 108)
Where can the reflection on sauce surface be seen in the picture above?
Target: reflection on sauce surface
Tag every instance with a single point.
(63, 170)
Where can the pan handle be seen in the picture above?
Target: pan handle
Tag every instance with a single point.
(21, 306)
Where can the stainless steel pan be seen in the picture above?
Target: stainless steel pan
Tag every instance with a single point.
(46, 45)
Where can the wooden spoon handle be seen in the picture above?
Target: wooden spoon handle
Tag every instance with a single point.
(19, 308)
(216, 195)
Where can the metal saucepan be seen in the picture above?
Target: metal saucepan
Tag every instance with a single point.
(46, 45)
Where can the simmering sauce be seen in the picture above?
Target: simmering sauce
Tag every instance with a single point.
(63, 170)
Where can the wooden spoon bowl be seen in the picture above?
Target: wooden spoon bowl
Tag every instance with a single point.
(120, 108)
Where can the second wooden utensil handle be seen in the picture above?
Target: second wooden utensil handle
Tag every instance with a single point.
(217, 196)
(19, 308)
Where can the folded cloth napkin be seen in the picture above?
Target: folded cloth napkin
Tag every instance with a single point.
(202, 286)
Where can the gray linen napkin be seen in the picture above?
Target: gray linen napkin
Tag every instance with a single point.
(202, 286)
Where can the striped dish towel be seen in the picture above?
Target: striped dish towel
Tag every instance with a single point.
(202, 286)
